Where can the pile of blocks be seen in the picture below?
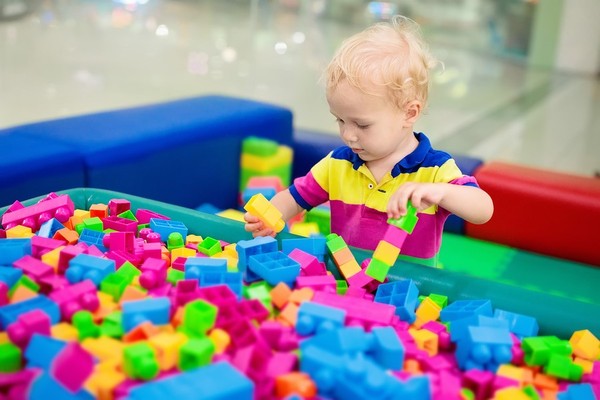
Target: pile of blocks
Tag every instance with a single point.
(117, 303)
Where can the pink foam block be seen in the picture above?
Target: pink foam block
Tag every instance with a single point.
(395, 236)
(271, 332)
(360, 279)
(33, 268)
(437, 363)
(94, 251)
(120, 224)
(218, 295)
(309, 264)
(35, 321)
(51, 283)
(179, 263)
(143, 216)
(3, 294)
(13, 379)
(480, 382)
(253, 360)
(441, 331)
(118, 206)
(281, 363)
(152, 250)
(53, 206)
(41, 245)
(80, 296)
(360, 312)
(186, 290)
(265, 181)
(154, 273)
(355, 291)
(253, 309)
(72, 366)
(228, 314)
(121, 257)
(122, 241)
(161, 290)
(447, 387)
(324, 283)
(66, 254)
(243, 334)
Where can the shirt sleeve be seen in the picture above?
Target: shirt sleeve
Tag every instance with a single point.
(312, 189)
(450, 173)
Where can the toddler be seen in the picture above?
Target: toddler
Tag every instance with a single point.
(376, 88)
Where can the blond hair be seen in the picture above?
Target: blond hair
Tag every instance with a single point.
(393, 55)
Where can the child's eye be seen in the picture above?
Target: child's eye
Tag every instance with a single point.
(339, 121)
(362, 126)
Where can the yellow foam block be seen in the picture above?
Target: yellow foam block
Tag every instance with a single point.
(185, 252)
(230, 213)
(585, 345)
(386, 252)
(511, 394)
(350, 268)
(425, 340)
(19, 231)
(194, 239)
(260, 207)
(78, 217)
(103, 382)
(167, 347)
(522, 375)
(282, 157)
(51, 257)
(64, 331)
(305, 229)
(220, 339)
(104, 348)
(232, 262)
(427, 311)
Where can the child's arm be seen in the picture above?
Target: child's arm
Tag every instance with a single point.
(470, 203)
(285, 203)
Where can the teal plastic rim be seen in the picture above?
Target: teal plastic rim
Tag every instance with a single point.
(557, 314)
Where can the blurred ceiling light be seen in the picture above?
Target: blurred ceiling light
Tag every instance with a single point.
(298, 37)
(131, 2)
(229, 54)
(162, 30)
(280, 48)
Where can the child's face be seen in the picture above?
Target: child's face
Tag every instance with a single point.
(372, 125)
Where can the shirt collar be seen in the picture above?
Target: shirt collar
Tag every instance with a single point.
(415, 158)
(409, 162)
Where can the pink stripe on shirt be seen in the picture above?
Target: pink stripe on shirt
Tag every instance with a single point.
(364, 227)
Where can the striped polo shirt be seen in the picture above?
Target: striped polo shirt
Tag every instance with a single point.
(358, 203)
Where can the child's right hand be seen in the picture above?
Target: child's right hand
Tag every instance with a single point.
(256, 226)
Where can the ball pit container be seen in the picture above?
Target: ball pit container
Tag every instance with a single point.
(559, 311)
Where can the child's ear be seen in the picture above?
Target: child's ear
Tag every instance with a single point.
(413, 111)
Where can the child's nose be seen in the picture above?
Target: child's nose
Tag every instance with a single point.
(347, 134)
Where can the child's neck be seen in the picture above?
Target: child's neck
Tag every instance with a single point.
(379, 168)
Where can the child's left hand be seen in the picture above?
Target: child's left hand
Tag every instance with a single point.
(421, 195)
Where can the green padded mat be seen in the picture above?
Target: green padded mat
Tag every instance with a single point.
(557, 313)
(525, 269)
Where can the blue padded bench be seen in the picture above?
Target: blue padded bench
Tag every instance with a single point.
(310, 146)
(31, 167)
(184, 152)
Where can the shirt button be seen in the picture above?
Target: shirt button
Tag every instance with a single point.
(370, 186)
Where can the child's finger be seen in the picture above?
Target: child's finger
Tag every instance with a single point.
(250, 218)
(263, 232)
(253, 227)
